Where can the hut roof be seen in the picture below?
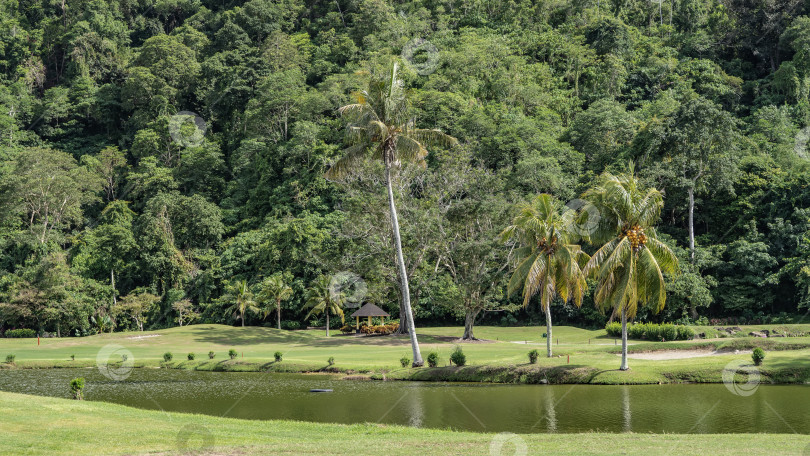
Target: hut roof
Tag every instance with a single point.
(370, 310)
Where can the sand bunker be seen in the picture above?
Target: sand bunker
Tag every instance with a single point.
(143, 337)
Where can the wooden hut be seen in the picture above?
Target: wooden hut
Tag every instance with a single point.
(369, 310)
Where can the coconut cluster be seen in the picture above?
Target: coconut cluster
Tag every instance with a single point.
(636, 236)
(547, 246)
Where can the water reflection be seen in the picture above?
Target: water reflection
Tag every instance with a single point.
(475, 407)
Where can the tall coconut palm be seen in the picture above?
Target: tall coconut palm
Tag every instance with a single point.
(274, 290)
(242, 299)
(320, 299)
(379, 128)
(630, 265)
(548, 261)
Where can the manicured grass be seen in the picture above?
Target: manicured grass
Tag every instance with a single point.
(35, 425)
(581, 356)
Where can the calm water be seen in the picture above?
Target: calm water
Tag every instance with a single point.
(475, 407)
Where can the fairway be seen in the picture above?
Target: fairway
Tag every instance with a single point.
(580, 356)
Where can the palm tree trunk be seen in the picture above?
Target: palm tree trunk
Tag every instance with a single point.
(327, 323)
(548, 330)
(691, 192)
(242, 317)
(624, 340)
(278, 314)
(403, 274)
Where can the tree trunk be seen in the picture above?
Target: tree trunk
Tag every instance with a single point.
(242, 317)
(327, 323)
(278, 314)
(548, 330)
(469, 322)
(406, 295)
(692, 307)
(691, 192)
(624, 340)
(112, 282)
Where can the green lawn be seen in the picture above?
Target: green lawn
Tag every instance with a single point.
(581, 355)
(34, 425)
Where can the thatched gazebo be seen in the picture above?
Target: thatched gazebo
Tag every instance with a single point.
(369, 310)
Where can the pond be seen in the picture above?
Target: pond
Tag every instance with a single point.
(473, 407)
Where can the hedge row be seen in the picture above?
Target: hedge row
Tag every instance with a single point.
(651, 331)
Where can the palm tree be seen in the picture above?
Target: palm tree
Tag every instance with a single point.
(548, 261)
(274, 290)
(378, 128)
(242, 299)
(630, 265)
(320, 299)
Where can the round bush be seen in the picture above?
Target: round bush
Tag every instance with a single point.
(331, 360)
(533, 356)
(458, 357)
(191, 356)
(77, 388)
(758, 355)
(433, 359)
(405, 361)
(167, 356)
(211, 355)
(232, 353)
(277, 355)
(10, 359)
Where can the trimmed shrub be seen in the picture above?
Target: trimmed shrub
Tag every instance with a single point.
(21, 333)
(290, 325)
(232, 353)
(685, 333)
(614, 329)
(73, 357)
(533, 356)
(191, 356)
(277, 356)
(458, 357)
(330, 361)
(758, 355)
(433, 359)
(404, 361)
(167, 356)
(77, 388)
(10, 359)
(211, 355)
(668, 332)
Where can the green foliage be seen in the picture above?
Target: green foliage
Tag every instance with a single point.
(758, 355)
(614, 329)
(652, 331)
(405, 361)
(277, 356)
(211, 355)
(10, 359)
(191, 356)
(77, 388)
(232, 353)
(167, 356)
(458, 357)
(533, 354)
(331, 361)
(433, 359)
(20, 333)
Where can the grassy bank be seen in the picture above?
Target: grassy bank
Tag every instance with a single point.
(581, 356)
(47, 426)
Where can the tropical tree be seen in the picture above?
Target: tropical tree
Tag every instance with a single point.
(320, 299)
(548, 261)
(629, 267)
(242, 298)
(379, 128)
(274, 290)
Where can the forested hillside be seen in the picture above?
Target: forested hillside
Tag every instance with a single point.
(162, 160)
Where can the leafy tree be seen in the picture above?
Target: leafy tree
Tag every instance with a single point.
(630, 264)
(379, 128)
(137, 306)
(321, 299)
(548, 261)
(241, 299)
(274, 289)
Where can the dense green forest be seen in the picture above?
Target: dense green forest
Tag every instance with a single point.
(162, 161)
